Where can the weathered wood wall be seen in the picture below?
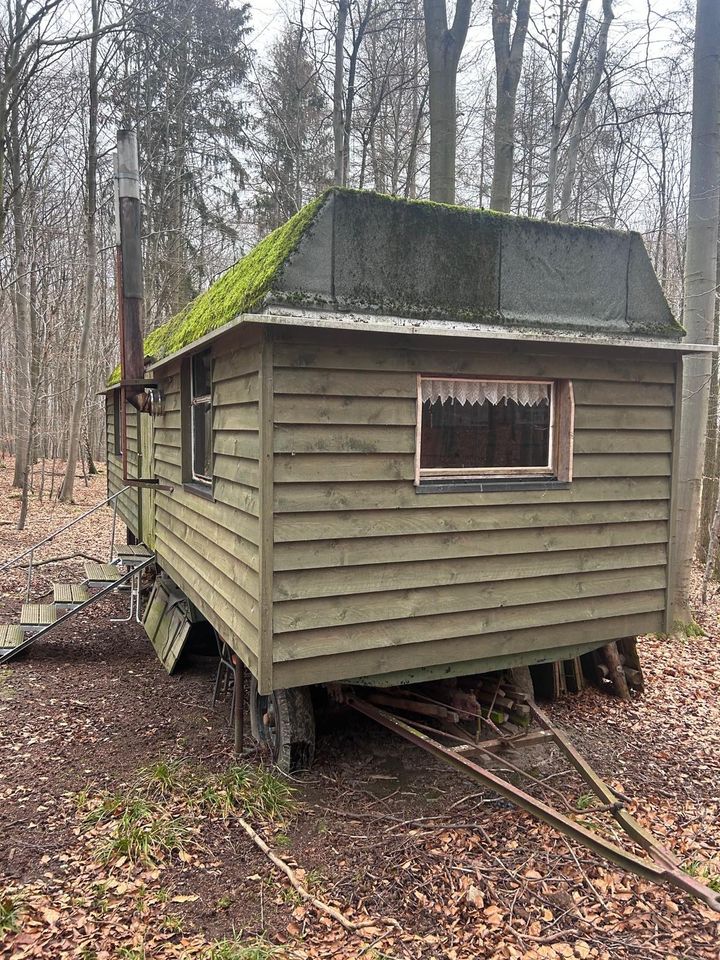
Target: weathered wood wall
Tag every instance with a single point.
(129, 501)
(210, 546)
(371, 577)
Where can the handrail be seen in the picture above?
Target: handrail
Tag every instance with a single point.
(56, 533)
(14, 651)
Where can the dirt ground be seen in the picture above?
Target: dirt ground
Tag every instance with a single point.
(93, 732)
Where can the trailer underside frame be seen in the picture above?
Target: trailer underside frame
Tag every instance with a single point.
(660, 866)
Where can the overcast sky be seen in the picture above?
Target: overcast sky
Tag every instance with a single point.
(268, 17)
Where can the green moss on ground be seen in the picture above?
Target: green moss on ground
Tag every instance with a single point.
(241, 289)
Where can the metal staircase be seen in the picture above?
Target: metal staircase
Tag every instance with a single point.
(122, 572)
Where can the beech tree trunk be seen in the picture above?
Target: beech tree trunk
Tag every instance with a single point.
(699, 306)
(564, 81)
(68, 486)
(444, 47)
(23, 307)
(578, 125)
(508, 66)
(338, 112)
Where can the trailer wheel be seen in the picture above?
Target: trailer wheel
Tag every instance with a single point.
(285, 721)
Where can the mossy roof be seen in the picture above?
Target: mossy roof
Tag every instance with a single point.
(241, 289)
(355, 251)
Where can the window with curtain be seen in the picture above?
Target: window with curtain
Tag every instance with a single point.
(201, 438)
(493, 428)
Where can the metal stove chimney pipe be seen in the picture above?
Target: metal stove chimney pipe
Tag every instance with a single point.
(129, 273)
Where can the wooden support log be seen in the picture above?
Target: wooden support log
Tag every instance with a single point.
(414, 706)
(617, 673)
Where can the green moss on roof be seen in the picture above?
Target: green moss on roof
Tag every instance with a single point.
(241, 289)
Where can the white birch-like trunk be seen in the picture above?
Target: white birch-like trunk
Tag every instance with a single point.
(699, 306)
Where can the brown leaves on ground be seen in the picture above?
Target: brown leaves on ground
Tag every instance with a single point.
(381, 831)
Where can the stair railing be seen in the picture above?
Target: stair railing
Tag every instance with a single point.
(105, 591)
(30, 551)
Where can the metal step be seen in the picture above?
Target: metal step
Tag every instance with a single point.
(100, 574)
(11, 636)
(134, 550)
(69, 594)
(133, 555)
(35, 616)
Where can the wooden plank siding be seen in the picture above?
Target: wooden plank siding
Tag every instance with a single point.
(129, 501)
(209, 545)
(371, 577)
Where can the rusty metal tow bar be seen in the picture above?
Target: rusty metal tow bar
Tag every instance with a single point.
(661, 867)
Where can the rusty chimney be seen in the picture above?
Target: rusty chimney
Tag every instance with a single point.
(129, 273)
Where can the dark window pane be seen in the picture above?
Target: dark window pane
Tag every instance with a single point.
(457, 435)
(117, 433)
(201, 374)
(202, 440)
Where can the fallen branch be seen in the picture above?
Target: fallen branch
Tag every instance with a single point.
(70, 556)
(303, 891)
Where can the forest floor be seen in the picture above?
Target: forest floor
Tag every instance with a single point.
(120, 833)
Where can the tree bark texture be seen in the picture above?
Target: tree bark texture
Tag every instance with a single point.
(508, 66)
(444, 47)
(578, 125)
(68, 485)
(564, 81)
(338, 111)
(699, 305)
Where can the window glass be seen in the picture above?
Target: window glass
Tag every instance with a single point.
(201, 417)
(485, 426)
(201, 374)
(117, 433)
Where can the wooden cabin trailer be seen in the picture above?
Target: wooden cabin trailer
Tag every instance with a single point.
(401, 441)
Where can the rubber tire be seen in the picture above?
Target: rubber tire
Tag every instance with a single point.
(293, 746)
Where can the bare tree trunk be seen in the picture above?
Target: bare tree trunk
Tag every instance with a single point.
(338, 113)
(700, 276)
(710, 484)
(444, 47)
(67, 489)
(564, 81)
(508, 64)
(578, 125)
(23, 316)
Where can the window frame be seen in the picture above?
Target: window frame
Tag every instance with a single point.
(560, 439)
(192, 481)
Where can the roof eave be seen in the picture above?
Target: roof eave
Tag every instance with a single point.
(375, 323)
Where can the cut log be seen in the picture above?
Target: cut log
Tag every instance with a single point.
(617, 673)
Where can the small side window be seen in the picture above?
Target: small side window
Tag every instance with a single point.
(487, 429)
(117, 434)
(199, 419)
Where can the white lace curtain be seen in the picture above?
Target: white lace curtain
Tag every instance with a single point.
(494, 391)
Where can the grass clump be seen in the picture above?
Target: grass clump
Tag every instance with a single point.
(704, 873)
(156, 817)
(139, 829)
(250, 791)
(9, 914)
(238, 948)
